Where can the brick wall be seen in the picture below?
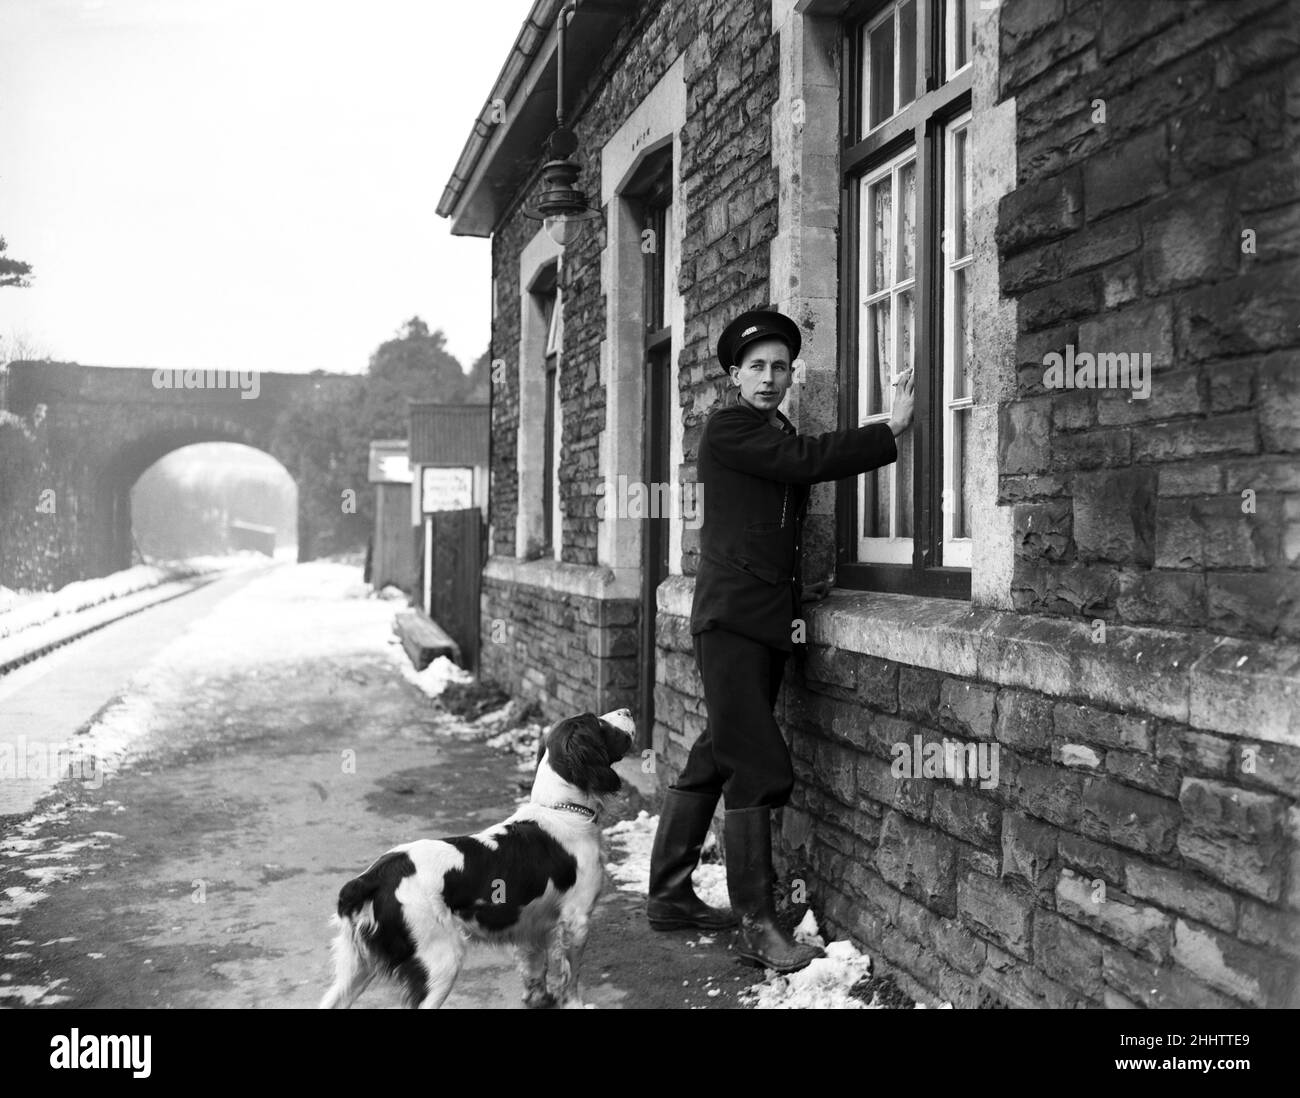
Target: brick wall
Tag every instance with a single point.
(569, 652)
(1127, 234)
(1119, 860)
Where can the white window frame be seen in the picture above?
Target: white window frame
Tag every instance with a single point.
(892, 12)
(957, 552)
(555, 346)
(553, 332)
(892, 549)
(952, 34)
(537, 255)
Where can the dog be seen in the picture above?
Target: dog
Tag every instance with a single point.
(530, 881)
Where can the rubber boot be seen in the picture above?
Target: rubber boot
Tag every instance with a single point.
(683, 827)
(750, 879)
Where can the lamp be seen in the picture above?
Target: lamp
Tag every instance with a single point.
(561, 206)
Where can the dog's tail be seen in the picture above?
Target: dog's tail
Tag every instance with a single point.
(354, 961)
(356, 901)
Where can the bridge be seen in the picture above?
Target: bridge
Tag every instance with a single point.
(78, 437)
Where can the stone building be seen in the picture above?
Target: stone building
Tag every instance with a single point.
(1092, 588)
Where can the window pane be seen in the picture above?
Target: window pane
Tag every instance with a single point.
(904, 485)
(879, 485)
(880, 204)
(907, 200)
(553, 323)
(960, 197)
(962, 334)
(960, 30)
(906, 53)
(880, 63)
(958, 491)
(882, 358)
(906, 332)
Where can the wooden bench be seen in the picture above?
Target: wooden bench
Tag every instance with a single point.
(424, 639)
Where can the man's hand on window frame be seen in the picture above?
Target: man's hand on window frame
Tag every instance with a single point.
(900, 418)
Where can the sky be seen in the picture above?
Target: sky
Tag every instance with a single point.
(241, 183)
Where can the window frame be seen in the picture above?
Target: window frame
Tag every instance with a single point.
(546, 292)
(958, 552)
(920, 126)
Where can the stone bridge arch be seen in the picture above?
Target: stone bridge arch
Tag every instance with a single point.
(98, 428)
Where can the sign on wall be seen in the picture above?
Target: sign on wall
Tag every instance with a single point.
(446, 489)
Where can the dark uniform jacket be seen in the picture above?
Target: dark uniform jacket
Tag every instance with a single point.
(755, 481)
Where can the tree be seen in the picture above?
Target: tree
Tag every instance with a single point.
(414, 365)
(13, 272)
(332, 429)
(479, 381)
(21, 346)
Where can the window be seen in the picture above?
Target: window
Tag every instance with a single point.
(648, 194)
(958, 35)
(905, 268)
(552, 306)
(547, 294)
(958, 333)
(888, 57)
(658, 365)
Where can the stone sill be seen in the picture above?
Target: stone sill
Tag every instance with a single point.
(1238, 687)
(555, 576)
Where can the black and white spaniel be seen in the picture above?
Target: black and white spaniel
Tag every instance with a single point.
(530, 882)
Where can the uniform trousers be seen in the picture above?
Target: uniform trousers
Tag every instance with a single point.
(741, 753)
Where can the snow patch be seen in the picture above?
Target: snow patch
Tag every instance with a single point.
(21, 610)
(435, 678)
(33, 995)
(823, 985)
(635, 839)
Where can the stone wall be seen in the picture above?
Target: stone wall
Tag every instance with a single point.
(1139, 844)
(560, 644)
(1159, 211)
(1118, 859)
(35, 545)
(728, 198)
(74, 439)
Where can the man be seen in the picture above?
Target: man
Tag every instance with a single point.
(755, 471)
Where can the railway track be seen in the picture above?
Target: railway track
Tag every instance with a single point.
(39, 640)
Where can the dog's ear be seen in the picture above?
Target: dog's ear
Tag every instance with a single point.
(576, 751)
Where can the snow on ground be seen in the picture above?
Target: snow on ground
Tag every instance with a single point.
(823, 984)
(635, 838)
(246, 630)
(500, 729)
(337, 617)
(21, 610)
(32, 994)
(435, 678)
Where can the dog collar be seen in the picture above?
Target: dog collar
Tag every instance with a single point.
(570, 806)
